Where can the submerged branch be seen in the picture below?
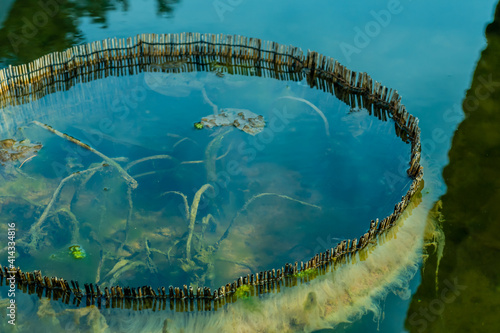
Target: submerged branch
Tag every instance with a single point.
(130, 181)
(155, 157)
(315, 108)
(182, 140)
(211, 155)
(218, 158)
(149, 262)
(36, 227)
(129, 215)
(204, 224)
(186, 205)
(252, 199)
(74, 223)
(205, 97)
(99, 267)
(192, 216)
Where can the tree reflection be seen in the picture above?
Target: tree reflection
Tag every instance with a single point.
(460, 291)
(34, 28)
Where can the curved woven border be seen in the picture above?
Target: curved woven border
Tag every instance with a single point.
(83, 63)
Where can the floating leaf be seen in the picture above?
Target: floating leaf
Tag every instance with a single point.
(242, 119)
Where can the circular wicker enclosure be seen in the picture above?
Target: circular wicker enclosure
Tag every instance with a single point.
(195, 52)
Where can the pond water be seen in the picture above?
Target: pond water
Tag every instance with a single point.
(295, 177)
(428, 57)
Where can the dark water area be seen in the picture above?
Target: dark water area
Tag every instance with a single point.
(460, 288)
(431, 53)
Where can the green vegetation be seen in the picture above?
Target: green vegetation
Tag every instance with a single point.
(310, 273)
(77, 252)
(243, 292)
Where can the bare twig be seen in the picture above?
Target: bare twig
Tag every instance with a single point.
(26, 160)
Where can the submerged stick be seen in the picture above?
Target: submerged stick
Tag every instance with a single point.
(74, 222)
(36, 227)
(149, 262)
(204, 223)
(186, 205)
(26, 160)
(99, 267)
(205, 97)
(315, 108)
(182, 140)
(155, 157)
(192, 216)
(130, 181)
(218, 158)
(252, 199)
(211, 155)
(129, 215)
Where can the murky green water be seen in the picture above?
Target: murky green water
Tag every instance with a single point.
(428, 57)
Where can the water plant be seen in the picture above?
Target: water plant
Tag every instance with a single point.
(77, 252)
(307, 273)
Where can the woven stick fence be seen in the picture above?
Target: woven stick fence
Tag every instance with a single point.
(245, 56)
